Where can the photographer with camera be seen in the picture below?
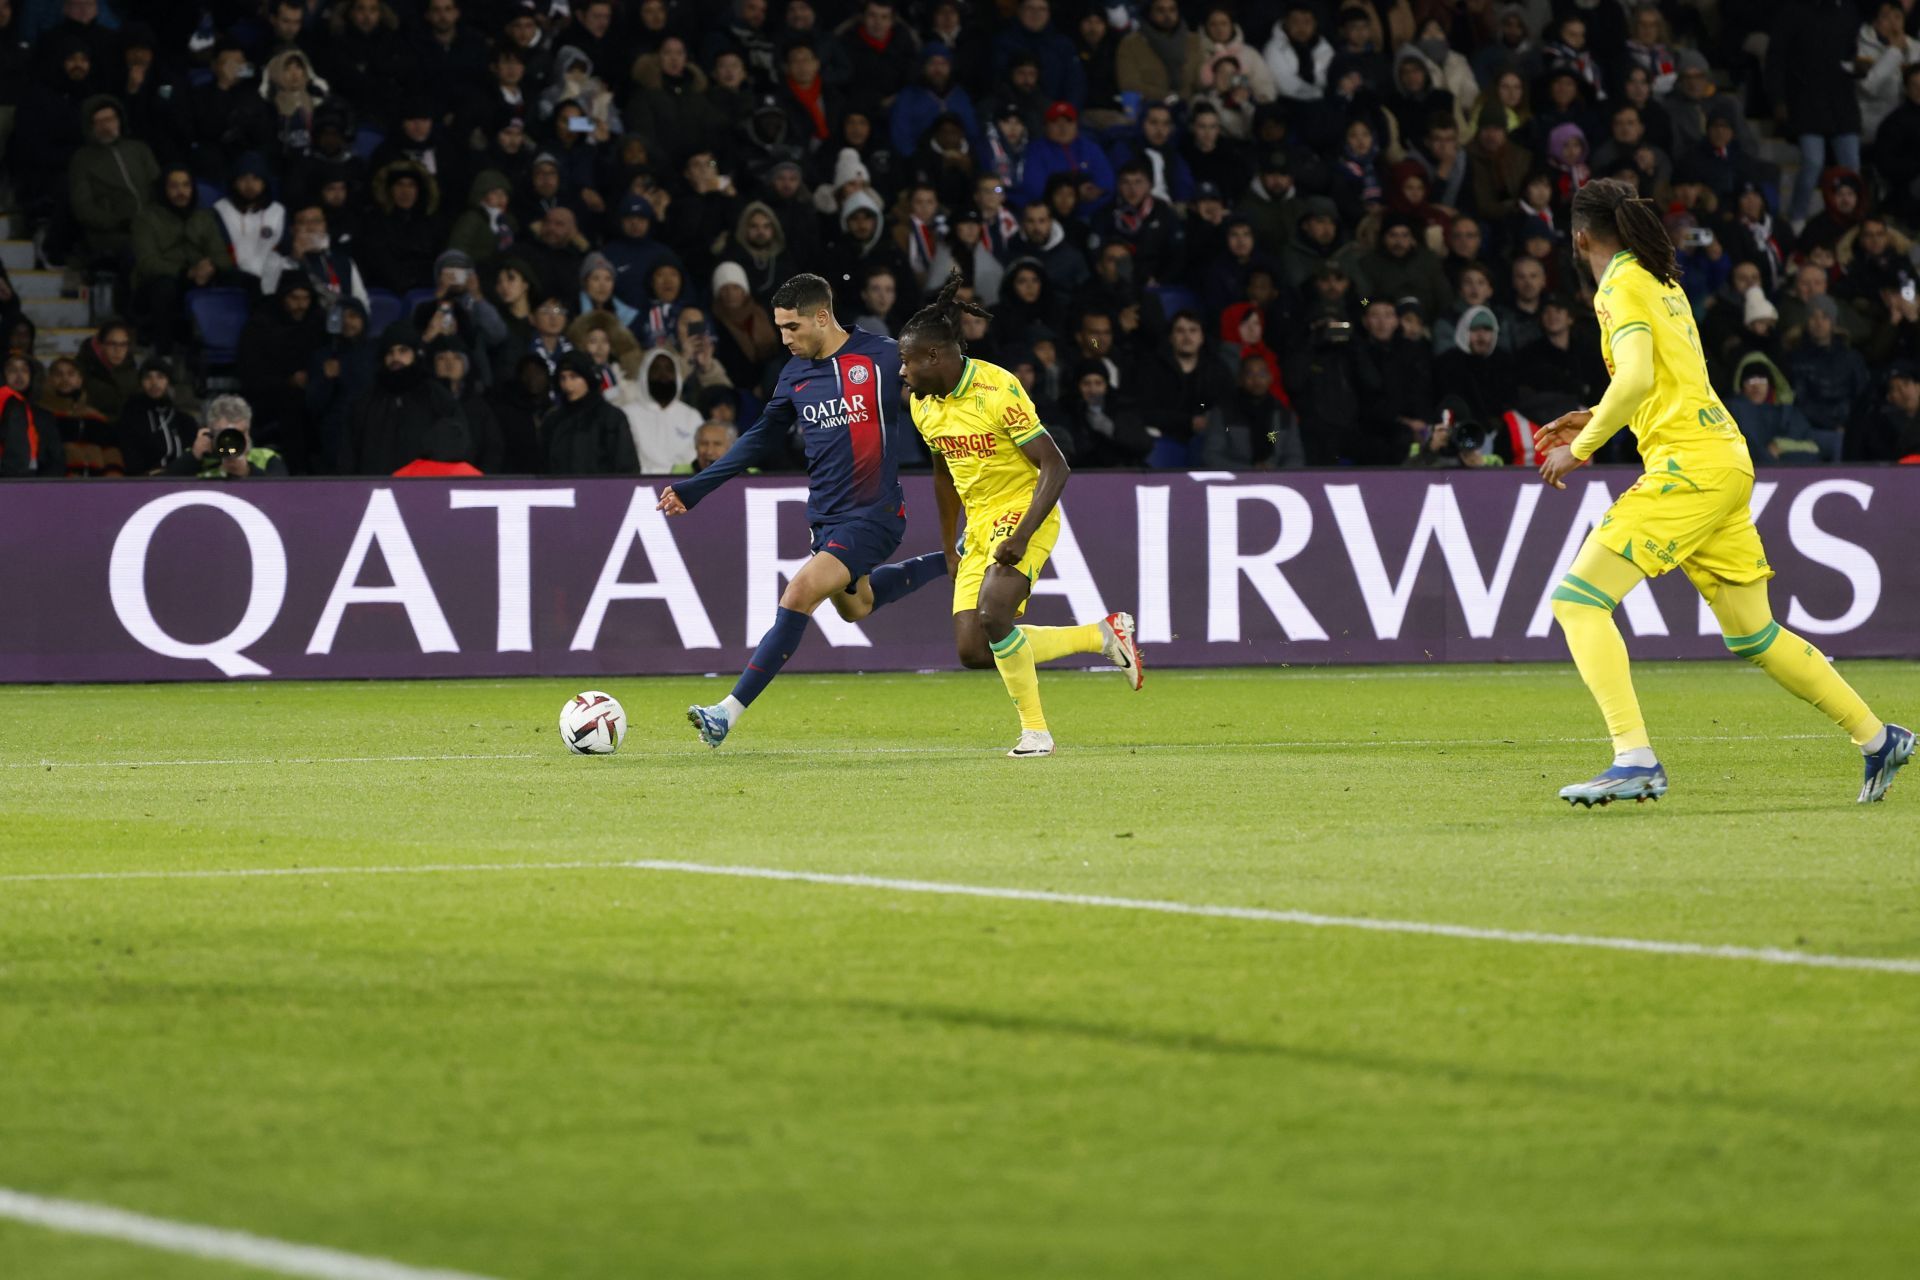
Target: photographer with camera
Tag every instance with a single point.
(223, 449)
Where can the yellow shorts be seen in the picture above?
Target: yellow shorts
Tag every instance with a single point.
(986, 534)
(1700, 522)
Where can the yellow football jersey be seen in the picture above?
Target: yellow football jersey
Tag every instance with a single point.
(1682, 426)
(979, 430)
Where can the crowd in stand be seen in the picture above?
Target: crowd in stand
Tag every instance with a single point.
(542, 236)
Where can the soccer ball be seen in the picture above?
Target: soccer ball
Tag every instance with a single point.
(592, 724)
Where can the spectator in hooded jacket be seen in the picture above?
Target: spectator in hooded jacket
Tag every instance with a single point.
(584, 435)
(663, 425)
(1892, 432)
(109, 180)
(1776, 431)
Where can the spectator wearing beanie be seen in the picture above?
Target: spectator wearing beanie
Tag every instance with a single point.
(746, 338)
(154, 432)
(1830, 379)
(584, 435)
(598, 277)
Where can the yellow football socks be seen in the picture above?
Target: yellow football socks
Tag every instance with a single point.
(1795, 665)
(1583, 604)
(1013, 654)
(1049, 643)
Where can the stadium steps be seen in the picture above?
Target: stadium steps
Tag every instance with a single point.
(32, 285)
(17, 255)
(56, 312)
(61, 341)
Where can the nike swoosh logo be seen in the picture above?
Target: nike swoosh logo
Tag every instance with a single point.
(801, 386)
(1125, 661)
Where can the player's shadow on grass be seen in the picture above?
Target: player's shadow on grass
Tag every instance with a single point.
(1211, 1045)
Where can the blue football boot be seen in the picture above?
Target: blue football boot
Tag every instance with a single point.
(1884, 763)
(1621, 782)
(712, 722)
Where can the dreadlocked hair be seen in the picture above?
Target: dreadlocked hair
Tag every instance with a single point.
(938, 322)
(1610, 208)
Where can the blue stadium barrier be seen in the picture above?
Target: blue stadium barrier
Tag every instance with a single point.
(219, 315)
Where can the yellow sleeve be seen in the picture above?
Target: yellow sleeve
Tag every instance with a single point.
(1018, 416)
(1632, 344)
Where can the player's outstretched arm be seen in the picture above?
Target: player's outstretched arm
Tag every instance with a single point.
(1046, 455)
(754, 445)
(1632, 383)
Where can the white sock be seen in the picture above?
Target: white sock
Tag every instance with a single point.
(1638, 758)
(1879, 742)
(734, 709)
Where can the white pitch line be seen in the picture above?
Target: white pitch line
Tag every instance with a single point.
(1265, 915)
(78, 1217)
(1107, 748)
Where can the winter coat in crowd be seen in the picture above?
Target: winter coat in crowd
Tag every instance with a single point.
(154, 434)
(406, 414)
(1776, 431)
(108, 183)
(588, 436)
(167, 241)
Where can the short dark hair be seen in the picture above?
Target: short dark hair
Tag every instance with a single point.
(805, 293)
(1138, 168)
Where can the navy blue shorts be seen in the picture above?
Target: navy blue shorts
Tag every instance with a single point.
(864, 541)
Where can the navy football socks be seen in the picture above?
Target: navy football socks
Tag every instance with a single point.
(782, 638)
(892, 581)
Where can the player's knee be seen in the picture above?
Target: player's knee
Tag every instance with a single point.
(1575, 603)
(852, 608)
(976, 655)
(1755, 646)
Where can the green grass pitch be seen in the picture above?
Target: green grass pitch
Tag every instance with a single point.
(593, 1072)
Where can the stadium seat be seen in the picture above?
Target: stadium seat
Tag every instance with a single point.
(411, 300)
(366, 141)
(1174, 297)
(383, 308)
(219, 315)
(208, 192)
